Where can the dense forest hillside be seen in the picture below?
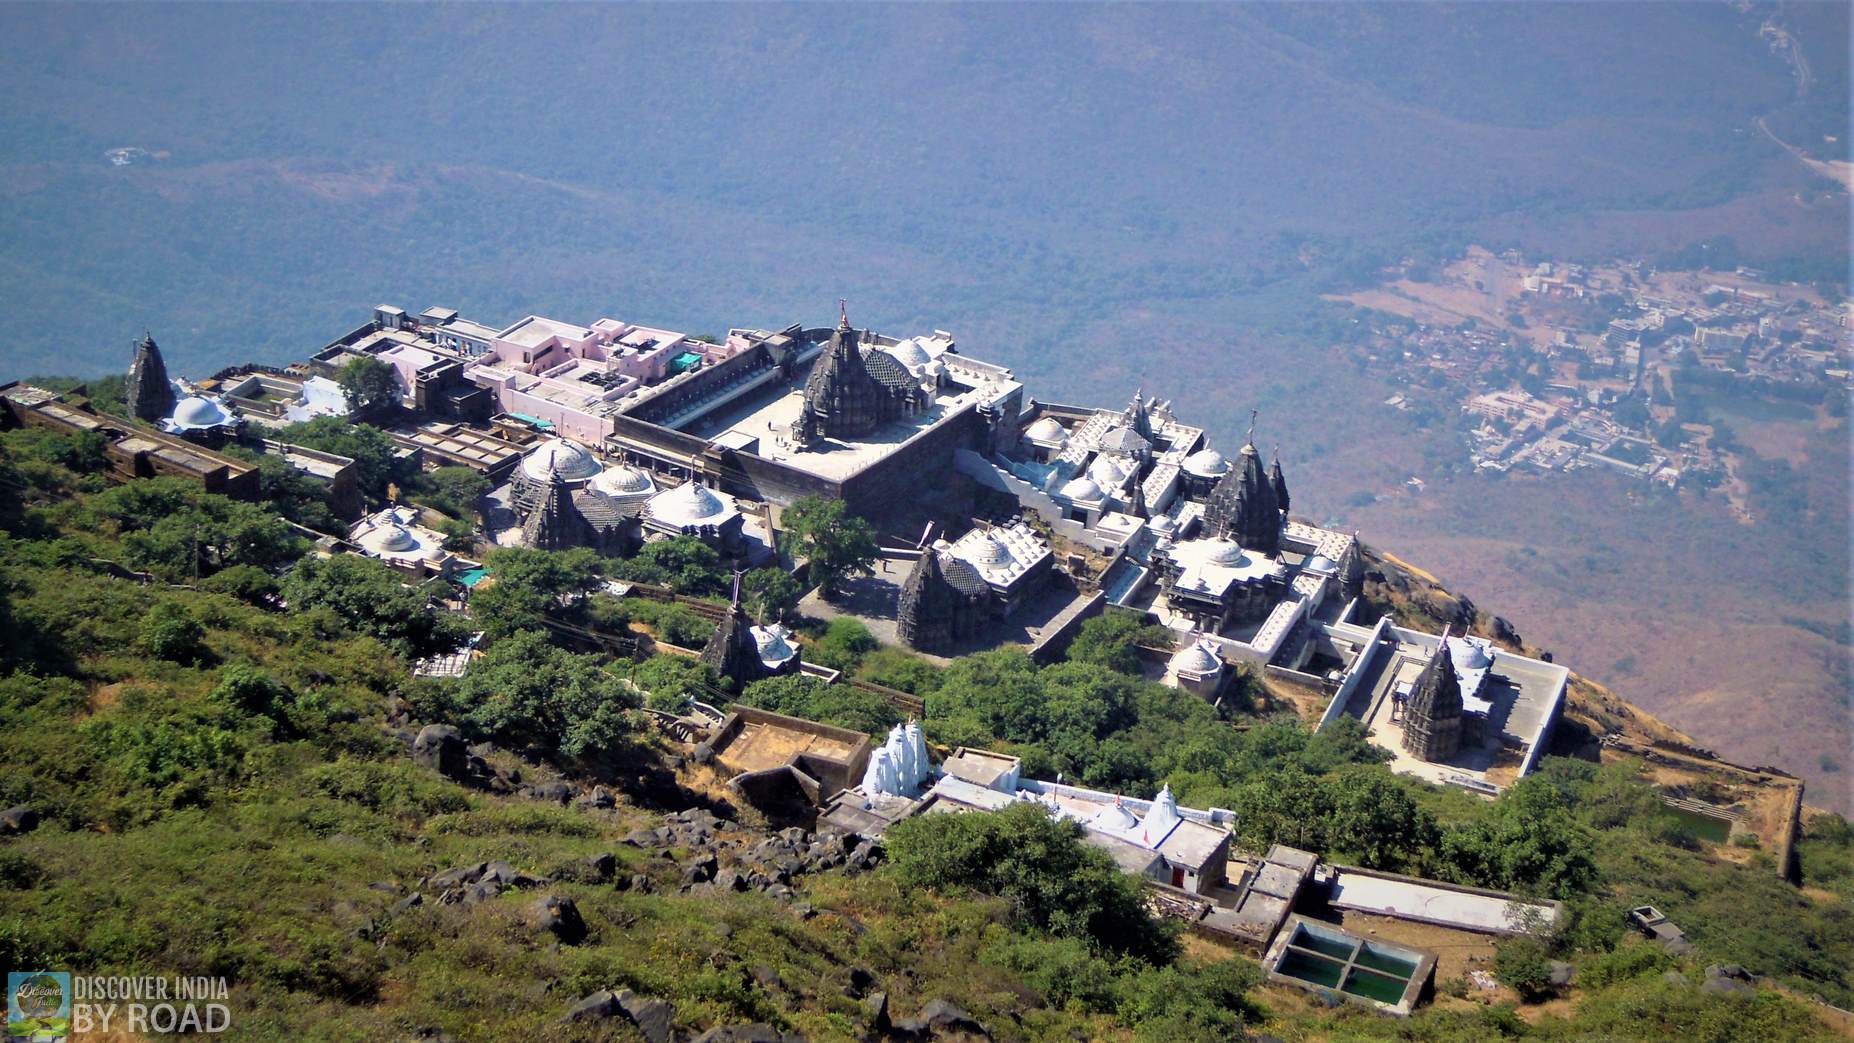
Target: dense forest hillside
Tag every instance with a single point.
(222, 785)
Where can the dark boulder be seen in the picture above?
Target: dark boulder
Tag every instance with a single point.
(655, 1019)
(559, 916)
(944, 1023)
(603, 866)
(441, 748)
(15, 821)
(596, 1007)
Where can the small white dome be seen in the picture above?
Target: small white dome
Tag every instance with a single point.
(1320, 563)
(772, 645)
(690, 503)
(393, 538)
(1207, 463)
(1225, 552)
(1105, 471)
(990, 551)
(621, 479)
(196, 411)
(1196, 658)
(558, 456)
(1081, 489)
(1046, 429)
(1473, 657)
(909, 353)
(1113, 819)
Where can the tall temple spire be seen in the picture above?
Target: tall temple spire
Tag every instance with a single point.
(1278, 482)
(149, 393)
(731, 651)
(1432, 718)
(555, 524)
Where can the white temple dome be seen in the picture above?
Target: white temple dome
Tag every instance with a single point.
(620, 479)
(195, 411)
(1225, 552)
(1106, 472)
(1474, 657)
(909, 353)
(990, 551)
(1320, 563)
(393, 538)
(1046, 429)
(1206, 463)
(1196, 658)
(772, 645)
(1081, 488)
(690, 503)
(557, 456)
(1113, 819)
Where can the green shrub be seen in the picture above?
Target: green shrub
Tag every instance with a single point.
(169, 632)
(1524, 965)
(1622, 964)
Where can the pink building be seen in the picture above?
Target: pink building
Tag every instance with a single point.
(577, 378)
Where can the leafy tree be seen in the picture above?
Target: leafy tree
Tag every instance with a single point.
(170, 526)
(1523, 964)
(1112, 639)
(370, 598)
(247, 689)
(1526, 842)
(670, 682)
(453, 490)
(527, 584)
(1040, 865)
(247, 583)
(289, 491)
(680, 625)
(369, 385)
(769, 594)
(376, 462)
(524, 691)
(843, 705)
(899, 668)
(683, 563)
(170, 632)
(835, 544)
(1371, 818)
(843, 644)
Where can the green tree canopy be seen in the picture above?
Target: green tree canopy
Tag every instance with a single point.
(527, 584)
(369, 385)
(524, 691)
(1052, 879)
(172, 527)
(683, 563)
(769, 594)
(1112, 639)
(843, 705)
(834, 543)
(670, 682)
(370, 598)
(373, 452)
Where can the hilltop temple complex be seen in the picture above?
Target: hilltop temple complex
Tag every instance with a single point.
(613, 435)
